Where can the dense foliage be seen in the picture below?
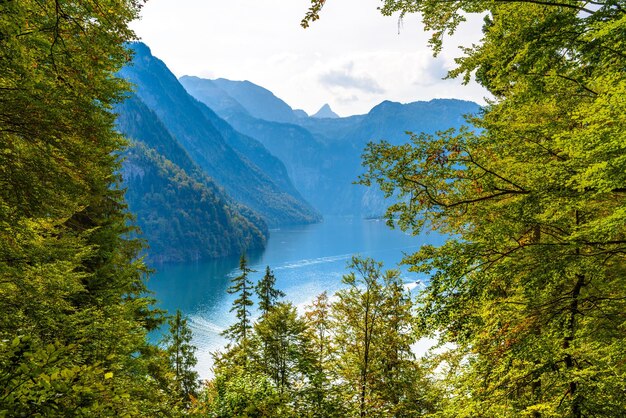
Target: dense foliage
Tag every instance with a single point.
(527, 298)
(346, 357)
(72, 296)
(531, 293)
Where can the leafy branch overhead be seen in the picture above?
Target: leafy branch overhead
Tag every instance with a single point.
(75, 309)
(313, 13)
(531, 285)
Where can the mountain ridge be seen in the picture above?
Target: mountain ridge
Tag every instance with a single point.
(202, 134)
(323, 155)
(183, 214)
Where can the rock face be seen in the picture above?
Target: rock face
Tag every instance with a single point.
(325, 112)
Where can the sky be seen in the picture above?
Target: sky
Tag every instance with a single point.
(353, 58)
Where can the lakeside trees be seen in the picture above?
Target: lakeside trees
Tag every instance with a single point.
(182, 359)
(74, 309)
(531, 291)
(240, 333)
(347, 357)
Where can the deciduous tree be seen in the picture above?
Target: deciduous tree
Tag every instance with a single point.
(530, 291)
(72, 296)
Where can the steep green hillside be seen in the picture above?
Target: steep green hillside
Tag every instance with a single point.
(182, 213)
(248, 173)
(182, 217)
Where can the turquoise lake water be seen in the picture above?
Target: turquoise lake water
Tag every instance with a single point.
(306, 259)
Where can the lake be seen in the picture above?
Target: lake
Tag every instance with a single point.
(306, 259)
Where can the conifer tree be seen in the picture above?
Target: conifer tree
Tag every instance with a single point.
(240, 332)
(182, 357)
(267, 292)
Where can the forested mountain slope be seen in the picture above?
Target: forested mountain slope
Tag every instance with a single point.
(222, 153)
(182, 213)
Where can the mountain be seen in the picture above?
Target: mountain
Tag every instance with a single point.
(325, 112)
(291, 143)
(258, 101)
(182, 213)
(323, 155)
(218, 99)
(387, 121)
(240, 164)
(391, 120)
(300, 113)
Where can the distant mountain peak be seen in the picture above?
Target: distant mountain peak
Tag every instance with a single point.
(300, 113)
(325, 112)
(257, 100)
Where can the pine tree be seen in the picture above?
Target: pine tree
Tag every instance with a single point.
(240, 332)
(267, 292)
(182, 357)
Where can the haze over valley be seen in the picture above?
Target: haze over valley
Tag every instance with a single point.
(215, 164)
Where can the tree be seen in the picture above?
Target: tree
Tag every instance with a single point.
(240, 331)
(402, 385)
(324, 397)
(358, 323)
(182, 357)
(267, 292)
(373, 329)
(530, 292)
(72, 294)
(238, 393)
(285, 351)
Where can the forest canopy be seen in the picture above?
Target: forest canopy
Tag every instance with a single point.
(72, 295)
(530, 294)
(527, 299)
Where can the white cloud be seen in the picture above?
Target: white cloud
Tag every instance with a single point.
(352, 58)
(345, 78)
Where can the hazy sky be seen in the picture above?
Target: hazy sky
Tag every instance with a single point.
(353, 58)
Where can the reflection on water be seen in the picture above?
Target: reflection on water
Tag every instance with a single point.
(306, 259)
